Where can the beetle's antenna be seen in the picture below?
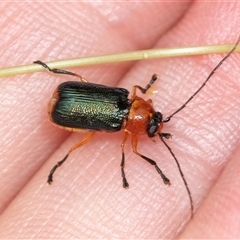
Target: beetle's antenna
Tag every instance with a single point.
(181, 173)
(209, 76)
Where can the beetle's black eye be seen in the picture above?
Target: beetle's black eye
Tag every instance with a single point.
(158, 117)
(153, 124)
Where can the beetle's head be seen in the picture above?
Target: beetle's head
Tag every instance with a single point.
(155, 125)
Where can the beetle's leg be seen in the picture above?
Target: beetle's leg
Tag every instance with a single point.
(144, 90)
(125, 183)
(59, 71)
(166, 135)
(134, 146)
(82, 142)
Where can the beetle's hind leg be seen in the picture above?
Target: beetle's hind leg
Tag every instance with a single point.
(59, 71)
(134, 146)
(82, 142)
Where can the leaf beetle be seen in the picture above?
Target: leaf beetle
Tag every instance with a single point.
(80, 106)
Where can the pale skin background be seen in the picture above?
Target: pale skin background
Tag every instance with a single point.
(86, 199)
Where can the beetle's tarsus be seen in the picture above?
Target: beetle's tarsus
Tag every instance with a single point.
(125, 183)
